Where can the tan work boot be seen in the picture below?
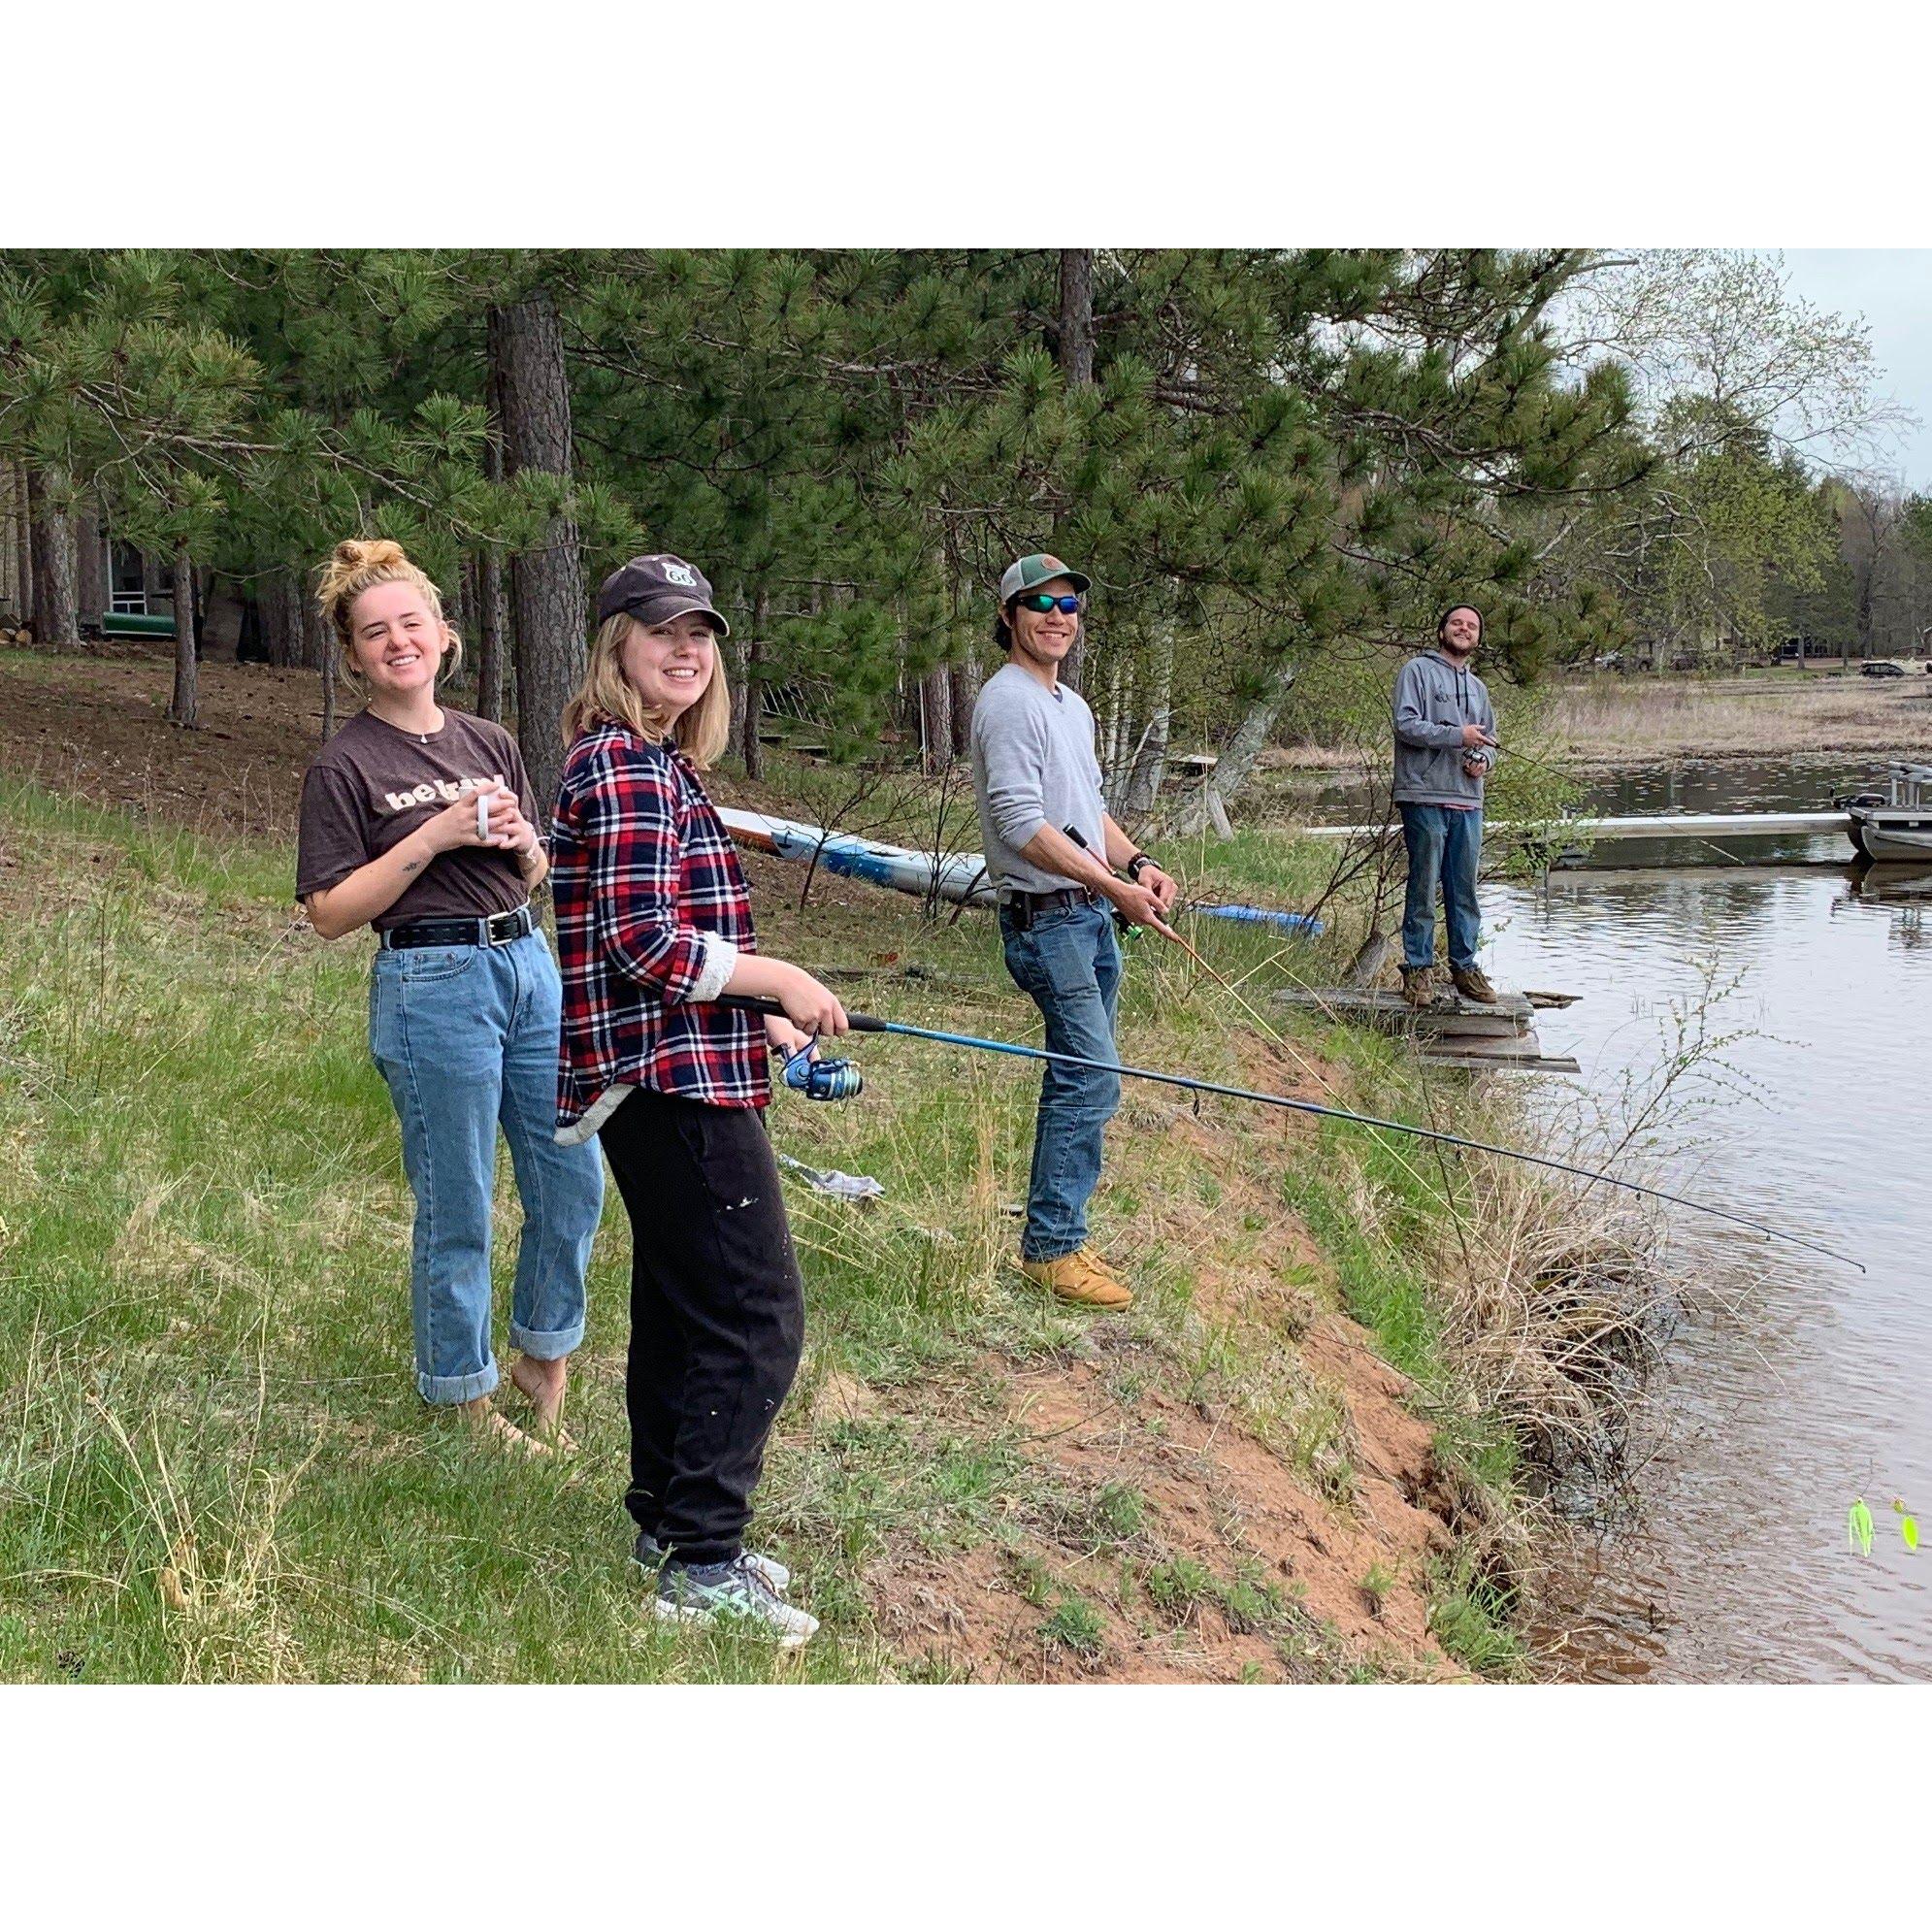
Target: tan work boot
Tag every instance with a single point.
(1418, 985)
(1472, 985)
(1081, 1276)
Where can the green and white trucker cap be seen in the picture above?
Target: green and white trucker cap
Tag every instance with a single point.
(1029, 572)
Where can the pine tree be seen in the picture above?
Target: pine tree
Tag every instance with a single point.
(547, 576)
(56, 609)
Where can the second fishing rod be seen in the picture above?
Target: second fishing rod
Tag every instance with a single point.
(866, 1023)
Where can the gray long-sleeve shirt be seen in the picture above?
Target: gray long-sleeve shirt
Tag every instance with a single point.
(1032, 765)
(1434, 699)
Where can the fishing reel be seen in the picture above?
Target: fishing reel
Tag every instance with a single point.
(822, 1079)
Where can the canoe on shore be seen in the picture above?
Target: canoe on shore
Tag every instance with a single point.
(959, 876)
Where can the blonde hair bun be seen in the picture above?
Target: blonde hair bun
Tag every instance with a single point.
(360, 563)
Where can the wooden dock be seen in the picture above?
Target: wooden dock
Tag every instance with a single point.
(1455, 1031)
(1654, 824)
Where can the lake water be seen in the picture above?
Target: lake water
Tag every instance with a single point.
(1793, 1383)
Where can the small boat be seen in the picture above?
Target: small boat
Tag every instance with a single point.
(1895, 827)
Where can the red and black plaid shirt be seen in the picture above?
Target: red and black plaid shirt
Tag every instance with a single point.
(641, 867)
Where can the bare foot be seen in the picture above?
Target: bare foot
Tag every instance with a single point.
(544, 1382)
(487, 1421)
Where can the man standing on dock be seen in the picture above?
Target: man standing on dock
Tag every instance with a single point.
(1445, 744)
(1035, 772)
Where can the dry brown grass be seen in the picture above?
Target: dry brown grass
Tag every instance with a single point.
(1606, 720)
(1556, 1313)
(1778, 714)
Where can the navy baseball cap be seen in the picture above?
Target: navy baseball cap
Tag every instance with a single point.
(652, 589)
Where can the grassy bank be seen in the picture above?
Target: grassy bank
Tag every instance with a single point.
(1298, 1456)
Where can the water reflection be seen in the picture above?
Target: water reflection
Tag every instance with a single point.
(1794, 1382)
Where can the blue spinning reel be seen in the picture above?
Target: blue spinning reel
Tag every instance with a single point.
(822, 1079)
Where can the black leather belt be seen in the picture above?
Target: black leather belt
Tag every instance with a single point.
(1027, 907)
(496, 931)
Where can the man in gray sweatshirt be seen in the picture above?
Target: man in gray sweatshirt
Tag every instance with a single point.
(1445, 744)
(1055, 857)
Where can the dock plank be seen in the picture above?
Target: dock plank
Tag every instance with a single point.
(1656, 825)
(1380, 1007)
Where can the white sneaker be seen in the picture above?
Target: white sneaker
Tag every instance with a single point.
(735, 1590)
(649, 1555)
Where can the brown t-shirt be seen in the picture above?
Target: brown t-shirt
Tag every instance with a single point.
(372, 785)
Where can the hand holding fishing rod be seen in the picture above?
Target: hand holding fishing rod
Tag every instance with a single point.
(1135, 902)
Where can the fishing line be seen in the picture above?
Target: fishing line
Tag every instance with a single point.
(866, 1023)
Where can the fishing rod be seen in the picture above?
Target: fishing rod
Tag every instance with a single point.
(867, 1023)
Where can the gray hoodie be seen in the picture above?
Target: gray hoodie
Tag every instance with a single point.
(1434, 699)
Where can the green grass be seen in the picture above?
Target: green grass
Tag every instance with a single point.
(1076, 1626)
(213, 1463)
(1472, 1621)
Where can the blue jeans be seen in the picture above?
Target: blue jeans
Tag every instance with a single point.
(1444, 848)
(1069, 964)
(466, 1038)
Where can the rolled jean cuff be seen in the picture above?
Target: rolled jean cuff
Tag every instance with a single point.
(457, 1387)
(547, 1344)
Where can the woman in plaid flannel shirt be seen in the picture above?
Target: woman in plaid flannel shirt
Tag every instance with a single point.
(653, 925)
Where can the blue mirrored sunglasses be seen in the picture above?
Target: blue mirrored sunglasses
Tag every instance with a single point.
(1045, 601)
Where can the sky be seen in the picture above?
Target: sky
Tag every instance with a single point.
(1892, 290)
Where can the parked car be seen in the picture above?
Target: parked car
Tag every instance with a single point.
(1881, 667)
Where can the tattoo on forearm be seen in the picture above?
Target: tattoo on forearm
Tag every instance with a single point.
(410, 865)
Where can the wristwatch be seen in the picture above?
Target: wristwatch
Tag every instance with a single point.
(1137, 864)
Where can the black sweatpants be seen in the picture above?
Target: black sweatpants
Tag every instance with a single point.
(717, 1314)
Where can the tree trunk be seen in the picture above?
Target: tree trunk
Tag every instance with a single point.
(1076, 365)
(733, 649)
(749, 743)
(91, 566)
(1207, 806)
(23, 538)
(1076, 315)
(1111, 719)
(281, 621)
(935, 719)
(303, 613)
(489, 634)
(490, 569)
(966, 676)
(457, 605)
(152, 593)
(546, 585)
(322, 632)
(55, 614)
(1150, 759)
(316, 628)
(185, 709)
(13, 529)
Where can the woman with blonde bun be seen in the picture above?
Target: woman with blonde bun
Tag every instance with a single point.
(417, 820)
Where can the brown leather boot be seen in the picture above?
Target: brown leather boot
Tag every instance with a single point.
(1418, 985)
(1081, 1276)
(1471, 984)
